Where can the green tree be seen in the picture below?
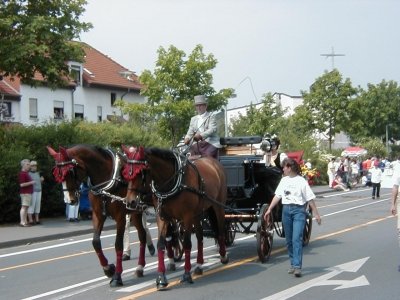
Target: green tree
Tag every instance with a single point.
(269, 118)
(35, 36)
(170, 90)
(327, 104)
(374, 111)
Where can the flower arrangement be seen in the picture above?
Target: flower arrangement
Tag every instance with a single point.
(309, 174)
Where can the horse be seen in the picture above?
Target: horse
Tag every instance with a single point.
(182, 190)
(102, 168)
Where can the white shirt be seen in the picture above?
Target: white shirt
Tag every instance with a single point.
(294, 190)
(376, 175)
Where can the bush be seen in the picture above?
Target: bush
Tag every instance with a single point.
(18, 142)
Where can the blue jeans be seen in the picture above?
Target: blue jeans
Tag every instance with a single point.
(293, 220)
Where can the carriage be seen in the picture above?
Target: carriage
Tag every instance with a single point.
(250, 189)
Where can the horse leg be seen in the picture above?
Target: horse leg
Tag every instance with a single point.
(220, 215)
(170, 252)
(187, 247)
(119, 216)
(161, 280)
(136, 219)
(200, 255)
(98, 221)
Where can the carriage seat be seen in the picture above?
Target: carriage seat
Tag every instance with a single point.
(240, 145)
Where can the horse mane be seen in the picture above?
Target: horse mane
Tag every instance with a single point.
(161, 153)
(102, 151)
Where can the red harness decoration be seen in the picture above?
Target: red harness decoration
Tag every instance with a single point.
(135, 162)
(63, 163)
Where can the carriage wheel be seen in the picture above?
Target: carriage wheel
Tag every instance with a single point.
(307, 228)
(177, 240)
(265, 235)
(230, 232)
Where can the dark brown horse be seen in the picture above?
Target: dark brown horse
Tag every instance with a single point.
(107, 193)
(182, 190)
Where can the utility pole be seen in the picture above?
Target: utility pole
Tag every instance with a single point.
(332, 55)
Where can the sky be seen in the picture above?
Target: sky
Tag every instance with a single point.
(261, 45)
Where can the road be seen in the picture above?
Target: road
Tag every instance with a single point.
(354, 255)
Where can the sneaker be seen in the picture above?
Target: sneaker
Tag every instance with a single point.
(297, 272)
(373, 197)
(291, 270)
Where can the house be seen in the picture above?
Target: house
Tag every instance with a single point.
(97, 83)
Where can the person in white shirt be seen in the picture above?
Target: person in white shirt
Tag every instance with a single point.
(295, 193)
(331, 171)
(376, 178)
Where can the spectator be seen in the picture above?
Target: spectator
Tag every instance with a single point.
(26, 189)
(331, 171)
(308, 164)
(338, 184)
(127, 247)
(34, 208)
(376, 178)
(355, 170)
(85, 209)
(295, 193)
(72, 210)
(203, 130)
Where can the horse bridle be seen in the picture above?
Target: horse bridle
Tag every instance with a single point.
(70, 165)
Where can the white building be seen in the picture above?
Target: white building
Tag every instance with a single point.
(288, 103)
(97, 84)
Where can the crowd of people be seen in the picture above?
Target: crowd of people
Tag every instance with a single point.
(344, 173)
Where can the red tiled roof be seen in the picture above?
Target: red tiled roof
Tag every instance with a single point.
(100, 69)
(10, 86)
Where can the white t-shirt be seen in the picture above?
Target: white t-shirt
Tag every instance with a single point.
(294, 190)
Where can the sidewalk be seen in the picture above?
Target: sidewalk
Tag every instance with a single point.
(12, 235)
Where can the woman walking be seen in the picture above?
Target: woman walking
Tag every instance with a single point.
(295, 194)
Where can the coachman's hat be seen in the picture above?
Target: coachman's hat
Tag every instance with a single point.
(200, 99)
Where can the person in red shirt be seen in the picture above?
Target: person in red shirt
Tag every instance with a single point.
(26, 191)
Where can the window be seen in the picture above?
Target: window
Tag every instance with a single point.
(113, 98)
(76, 73)
(5, 109)
(99, 114)
(78, 110)
(33, 108)
(58, 110)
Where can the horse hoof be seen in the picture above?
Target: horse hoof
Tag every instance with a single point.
(171, 267)
(109, 271)
(225, 260)
(161, 281)
(139, 273)
(152, 250)
(187, 278)
(198, 271)
(116, 281)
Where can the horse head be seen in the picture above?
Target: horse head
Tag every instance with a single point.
(64, 172)
(135, 171)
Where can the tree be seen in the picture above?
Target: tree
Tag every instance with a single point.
(375, 111)
(35, 36)
(171, 88)
(258, 121)
(327, 104)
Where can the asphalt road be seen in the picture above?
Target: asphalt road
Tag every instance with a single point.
(354, 255)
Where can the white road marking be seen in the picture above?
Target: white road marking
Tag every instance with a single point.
(352, 266)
